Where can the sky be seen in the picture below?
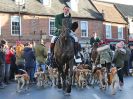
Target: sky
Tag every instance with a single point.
(128, 2)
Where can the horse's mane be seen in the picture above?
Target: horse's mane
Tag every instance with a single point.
(65, 29)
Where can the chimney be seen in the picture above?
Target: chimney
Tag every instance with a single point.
(102, 13)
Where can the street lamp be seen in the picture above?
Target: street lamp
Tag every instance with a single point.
(20, 6)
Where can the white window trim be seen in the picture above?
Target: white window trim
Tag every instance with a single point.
(0, 24)
(20, 27)
(86, 28)
(49, 25)
(49, 5)
(110, 31)
(73, 4)
(20, 2)
(122, 31)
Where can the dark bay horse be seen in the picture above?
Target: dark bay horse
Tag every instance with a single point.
(64, 56)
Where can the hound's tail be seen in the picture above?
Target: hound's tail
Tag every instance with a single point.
(23, 71)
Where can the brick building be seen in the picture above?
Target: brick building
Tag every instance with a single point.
(127, 13)
(32, 19)
(114, 25)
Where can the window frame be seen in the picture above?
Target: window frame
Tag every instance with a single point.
(74, 5)
(20, 33)
(120, 27)
(53, 20)
(48, 1)
(86, 28)
(20, 2)
(110, 33)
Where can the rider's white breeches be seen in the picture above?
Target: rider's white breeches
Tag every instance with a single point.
(75, 38)
(54, 37)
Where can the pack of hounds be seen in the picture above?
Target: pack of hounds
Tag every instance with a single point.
(83, 75)
(43, 78)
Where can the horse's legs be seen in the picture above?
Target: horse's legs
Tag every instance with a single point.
(59, 79)
(64, 80)
(69, 84)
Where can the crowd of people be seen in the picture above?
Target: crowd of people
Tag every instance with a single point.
(107, 55)
(30, 56)
(26, 56)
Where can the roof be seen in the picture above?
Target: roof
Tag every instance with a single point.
(126, 10)
(111, 14)
(85, 10)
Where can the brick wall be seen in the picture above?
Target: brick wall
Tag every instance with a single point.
(114, 27)
(32, 25)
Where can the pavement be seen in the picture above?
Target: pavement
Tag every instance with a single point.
(54, 93)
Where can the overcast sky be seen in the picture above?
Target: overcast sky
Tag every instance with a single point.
(129, 2)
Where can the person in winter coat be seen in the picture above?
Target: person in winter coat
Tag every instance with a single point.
(104, 55)
(94, 39)
(8, 55)
(20, 57)
(41, 55)
(126, 62)
(29, 57)
(2, 63)
(131, 58)
(13, 65)
(118, 60)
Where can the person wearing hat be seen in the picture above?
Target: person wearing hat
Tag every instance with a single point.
(58, 25)
(94, 39)
(118, 61)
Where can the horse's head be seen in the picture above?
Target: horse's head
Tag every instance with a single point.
(66, 26)
(65, 32)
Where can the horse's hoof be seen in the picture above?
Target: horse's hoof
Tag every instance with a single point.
(59, 90)
(59, 87)
(18, 91)
(113, 93)
(68, 90)
(67, 94)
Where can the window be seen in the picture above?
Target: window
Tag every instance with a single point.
(131, 26)
(108, 31)
(20, 2)
(0, 25)
(46, 2)
(73, 4)
(84, 29)
(15, 25)
(120, 32)
(51, 26)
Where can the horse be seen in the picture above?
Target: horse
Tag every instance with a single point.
(64, 56)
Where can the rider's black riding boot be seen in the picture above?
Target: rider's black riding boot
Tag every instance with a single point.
(52, 49)
(52, 54)
(76, 49)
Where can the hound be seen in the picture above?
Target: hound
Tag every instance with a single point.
(22, 81)
(114, 80)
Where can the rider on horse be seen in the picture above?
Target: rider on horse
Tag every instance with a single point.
(58, 25)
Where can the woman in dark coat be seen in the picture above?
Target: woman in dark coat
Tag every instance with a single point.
(29, 57)
(118, 60)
